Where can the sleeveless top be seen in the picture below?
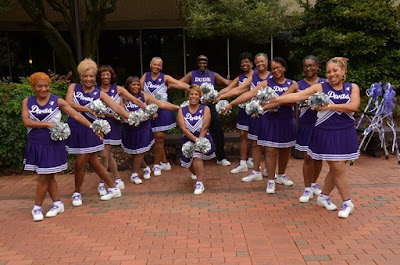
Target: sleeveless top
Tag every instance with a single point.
(156, 86)
(307, 115)
(242, 78)
(84, 99)
(194, 122)
(284, 112)
(331, 119)
(47, 113)
(199, 78)
(129, 106)
(113, 93)
(256, 79)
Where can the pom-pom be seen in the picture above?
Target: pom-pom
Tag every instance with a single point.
(151, 110)
(318, 100)
(136, 117)
(265, 94)
(206, 87)
(254, 109)
(243, 105)
(98, 107)
(209, 97)
(158, 96)
(303, 103)
(101, 125)
(60, 132)
(221, 105)
(188, 149)
(185, 103)
(203, 145)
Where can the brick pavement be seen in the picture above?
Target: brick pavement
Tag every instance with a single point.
(162, 222)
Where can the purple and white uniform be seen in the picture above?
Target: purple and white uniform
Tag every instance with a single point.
(114, 136)
(334, 137)
(243, 120)
(194, 123)
(307, 120)
(278, 129)
(254, 124)
(199, 77)
(140, 139)
(42, 154)
(82, 139)
(165, 120)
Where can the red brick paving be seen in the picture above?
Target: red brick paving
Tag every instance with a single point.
(162, 222)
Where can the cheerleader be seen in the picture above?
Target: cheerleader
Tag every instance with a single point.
(107, 78)
(83, 141)
(40, 113)
(157, 83)
(194, 121)
(307, 118)
(334, 138)
(246, 64)
(138, 140)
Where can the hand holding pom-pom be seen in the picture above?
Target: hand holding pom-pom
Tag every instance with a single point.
(254, 109)
(243, 105)
(136, 117)
(265, 94)
(151, 110)
(158, 96)
(60, 132)
(318, 100)
(185, 103)
(188, 149)
(221, 105)
(206, 87)
(203, 145)
(98, 107)
(101, 126)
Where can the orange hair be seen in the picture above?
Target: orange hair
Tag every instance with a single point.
(195, 88)
(38, 76)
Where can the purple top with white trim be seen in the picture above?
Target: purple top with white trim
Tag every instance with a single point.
(199, 77)
(307, 115)
(84, 99)
(156, 86)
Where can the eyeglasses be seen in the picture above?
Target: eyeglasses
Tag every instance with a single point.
(106, 74)
(309, 66)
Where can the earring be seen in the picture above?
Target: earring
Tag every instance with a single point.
(344, 78)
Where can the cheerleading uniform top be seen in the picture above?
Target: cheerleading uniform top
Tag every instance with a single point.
(256, 79)
(307, 115)
(199, 77)
(44, 155)
(194, 123)
(284, 112)
(84, 99)
(165, 119)
(114, 136)
(243, 119)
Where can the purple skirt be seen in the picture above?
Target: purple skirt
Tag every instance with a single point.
(137, 140)
(243, 120)
(304, 135)
(44, 155)
(113, 137)
(164, 122)
(334, 144)
(254, 128)
(187, 162)
(83, 140)
(278, 133)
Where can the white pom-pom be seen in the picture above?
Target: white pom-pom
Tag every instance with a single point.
(101, 125)
(158, 96)
(206, 87)
(60, 132)
(185, 103)
(98, 107)
(243, 105)
(221, 105)
(318, 100)
(188, 149)
(151, 110)
(254, 109)
(136, 117)
(203, 145)
(265, 94)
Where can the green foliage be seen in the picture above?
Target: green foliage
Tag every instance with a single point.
(13, 134)
(365, 31)
(254, 20)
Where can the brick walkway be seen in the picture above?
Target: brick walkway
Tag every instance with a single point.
(162, 222)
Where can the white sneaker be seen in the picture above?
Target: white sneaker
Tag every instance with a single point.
(283, 180)
(224, 162)
(37, 215)
(111, 193)
(265, 173)
(252, 176)
(119, 184)
(270, 187)
(250, 163)
(76, 199)
(239, 168)
(193, 176)
(101, 189)
(165, 166)
(135, 179)
(157, 170)
(326, 202)
(307, 195)
(199, 188)
(315, 189)
(146, 172)
(55, 209)
(346, 210)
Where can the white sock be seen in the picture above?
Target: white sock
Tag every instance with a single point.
(255, 172)
(134, 175)
(58, 203)
(250, 159)
(243, 162)
(307, 189)
(271, 180)
(280, 175)
(37, 207)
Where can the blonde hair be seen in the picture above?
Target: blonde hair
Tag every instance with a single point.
(195, 88)
(341, 61)
(38, 76)
(87, 64)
